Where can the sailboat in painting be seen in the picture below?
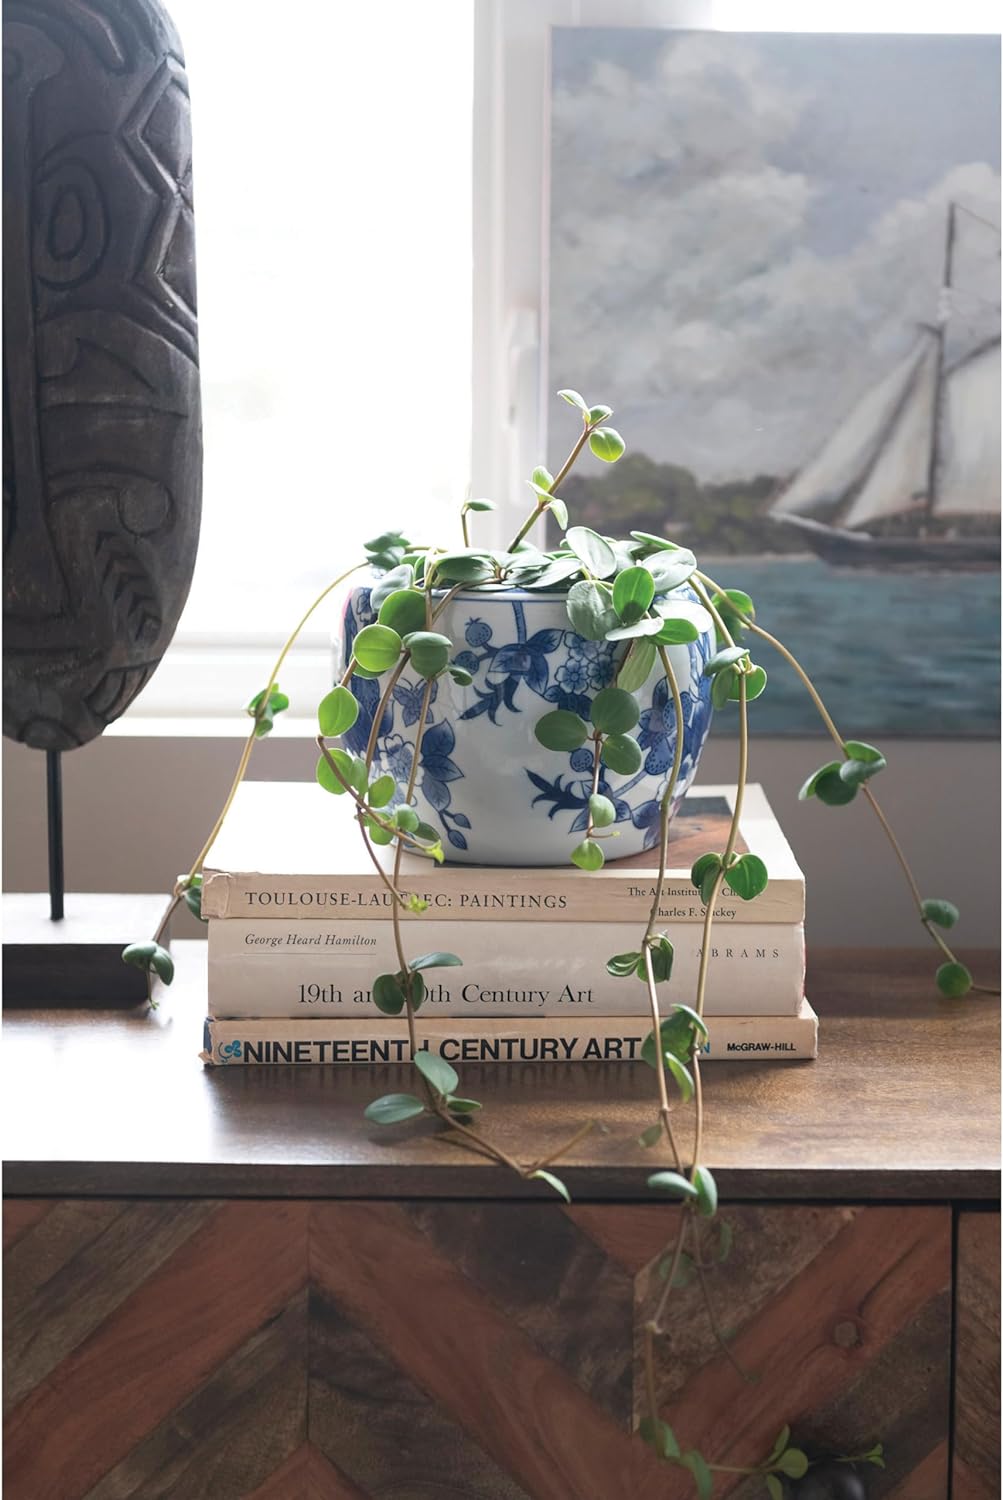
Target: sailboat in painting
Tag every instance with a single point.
(911, 477)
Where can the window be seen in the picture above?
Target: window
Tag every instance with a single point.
(356, 189)
(332, 177)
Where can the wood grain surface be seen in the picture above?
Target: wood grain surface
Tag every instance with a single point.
(104, 1104)
(413, 1351)
(977, 1373)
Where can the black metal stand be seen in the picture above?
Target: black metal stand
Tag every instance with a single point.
(54, 810)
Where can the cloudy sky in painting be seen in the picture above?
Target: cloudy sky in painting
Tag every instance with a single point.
(747, 230)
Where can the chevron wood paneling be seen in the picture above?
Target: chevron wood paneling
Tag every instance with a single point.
(413, 1351)
(977, 1380)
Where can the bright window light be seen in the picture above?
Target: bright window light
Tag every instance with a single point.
(332, 169)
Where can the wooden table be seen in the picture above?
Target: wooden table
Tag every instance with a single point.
(226, 1283)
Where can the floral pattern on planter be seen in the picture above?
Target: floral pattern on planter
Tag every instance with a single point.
(521, 671)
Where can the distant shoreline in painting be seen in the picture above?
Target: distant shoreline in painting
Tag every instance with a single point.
(777, 256)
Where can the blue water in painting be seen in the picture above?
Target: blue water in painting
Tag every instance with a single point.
(892, 653)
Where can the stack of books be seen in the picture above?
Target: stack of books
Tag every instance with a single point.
(299, 928)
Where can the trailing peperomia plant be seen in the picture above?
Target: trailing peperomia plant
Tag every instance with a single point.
(640, 595)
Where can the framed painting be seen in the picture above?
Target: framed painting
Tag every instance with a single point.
(777, 257)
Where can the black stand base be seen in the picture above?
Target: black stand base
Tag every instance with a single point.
(76, 961)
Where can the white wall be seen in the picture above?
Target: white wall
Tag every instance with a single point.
(137, 810)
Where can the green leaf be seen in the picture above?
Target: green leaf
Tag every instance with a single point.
(614, 711)
(774, 1488)
(599, 414)
(659, 1435)
(392, 1108)
(337, 712)
(697, 1465)
(607, 444)
(695, 1021)
(704, 873)
(953, 980)
(429, 652)
(263, 713)
(388, 996)
(381, 791)
(480, 505)
(462, 1106)
(858, 750)
(426, 833)
(588, 855)
(542, 480)
(601, 811)
(647, 625)
(808, 790)
(460, 675)
(676, 1035)
(833, 790)
(669, 570)
(559, 511)
(783, 1438)
(755, 684)
(377, 648)
(140, 955)
(403, 611)
(416, 988)
(407, 819)
(856, 772)
(660, 543)
(597, 554)
(651, 1136)
(793, 1463)
(622, 965)
(437, 1071)
(555, 1182)
(561, 730)
(574, 399)
(940, 913)
(747, 877)
(637, 665)
(346, 763)
(193, 897)
(590, 609)
(672, 1183)
(722, 685)
(464, 566)
(676, 633)
(391, 583)
(662, 954)
(162, 964)
(633, 591)
(682, 1075)
(436, 961)
(706, 1188)
(377, 833)
(725, 658)
(622, 754)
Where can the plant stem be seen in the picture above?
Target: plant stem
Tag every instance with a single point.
(837, 738)
(711, 1311)
(656, 1322)
(560, 476)
(412, 778)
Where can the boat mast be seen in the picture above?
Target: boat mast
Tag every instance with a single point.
(942, 314)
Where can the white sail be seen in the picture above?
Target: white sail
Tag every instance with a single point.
(898, 481)
(849, 453)
(968, 475)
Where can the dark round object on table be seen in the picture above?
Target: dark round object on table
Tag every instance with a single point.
(102, 433)
(831, 1482)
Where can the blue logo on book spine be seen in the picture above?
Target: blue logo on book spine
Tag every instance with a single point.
(229, 1052)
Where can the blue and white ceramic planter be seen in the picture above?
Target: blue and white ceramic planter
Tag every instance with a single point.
(497, 795)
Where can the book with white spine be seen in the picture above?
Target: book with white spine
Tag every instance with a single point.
(289, 851)
(384, 1039)
(301, 969)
